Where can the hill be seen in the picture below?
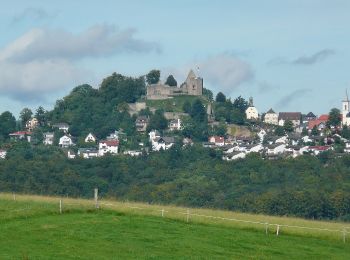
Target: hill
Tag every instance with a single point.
(33, 228)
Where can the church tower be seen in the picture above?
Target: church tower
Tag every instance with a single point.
(194, 84)
(345, 109)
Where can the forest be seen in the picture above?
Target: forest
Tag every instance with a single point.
(307, 186)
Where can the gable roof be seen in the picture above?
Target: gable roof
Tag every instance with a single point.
(289, 116)
(20, 133)
(310, 114)
(270, 111)
(110, 142)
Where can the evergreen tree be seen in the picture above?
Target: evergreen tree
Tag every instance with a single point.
(334, 118)
(171, 81)
(288, 126)
(7, 124)
(220, 97)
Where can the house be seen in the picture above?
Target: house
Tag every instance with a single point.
(90, 138)
(296, 150)
(254, 148)
(108, 146)
(347, 147)
(66, 141)
(234, 156)
(217, 140)
(317, 149)
(319, 123)
(162, 143)
(306, 139)
(310, 116)
(133, 153)
(276, 149)
(21, 135)
(261, 134)
(271, 117)
(70, 154)
(187, 141)
(87, 153)
(32, 124)
(3, 154)
(48, 138)
(251, 112)
(141, 123)
(175, 124)
(62, 126)
(153, 135)
(295, 117)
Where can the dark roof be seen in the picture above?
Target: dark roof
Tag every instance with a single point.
(310, 114)
(270, 111)
(289, 116)
(165, 139)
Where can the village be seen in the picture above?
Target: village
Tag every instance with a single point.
(271, 134)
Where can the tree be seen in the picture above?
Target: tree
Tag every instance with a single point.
(198, 112)
(314, 131)
(220, 97)
(171, 81)
(288, 126)
(186, 107)
(40, 115)
(25, 115)
(153, 77)
(7, 124)
(241, 104)
(157, 121)
(345, 133)
(208, 93)
(279, 131)
(334, 118)
(304, 131)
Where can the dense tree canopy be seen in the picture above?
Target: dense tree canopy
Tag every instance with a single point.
(153, 77)
(334, 117)
(306, 187)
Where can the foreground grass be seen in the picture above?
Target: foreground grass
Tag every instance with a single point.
(31, 227)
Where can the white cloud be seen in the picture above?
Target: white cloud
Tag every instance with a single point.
(43, 61)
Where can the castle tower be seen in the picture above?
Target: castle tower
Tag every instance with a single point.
(345, 109)
(251, 102)
(194, 84)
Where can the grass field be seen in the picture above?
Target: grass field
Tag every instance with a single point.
(32, 228)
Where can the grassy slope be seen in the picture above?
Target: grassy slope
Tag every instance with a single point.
(174, 104)
(81, 232)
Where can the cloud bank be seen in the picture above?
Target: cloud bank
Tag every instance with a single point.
(43, 61)
(290, 98)
(305, 60)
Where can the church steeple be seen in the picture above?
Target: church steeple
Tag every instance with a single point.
(251, 102)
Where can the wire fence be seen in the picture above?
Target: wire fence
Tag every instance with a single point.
(67, 204)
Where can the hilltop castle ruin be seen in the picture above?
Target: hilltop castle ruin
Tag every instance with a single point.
(192, 86)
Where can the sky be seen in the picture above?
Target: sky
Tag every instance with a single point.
(289, 55)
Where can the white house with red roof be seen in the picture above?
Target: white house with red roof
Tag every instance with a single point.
(319, 123)
(20, 135)
(108, 146)
(217, 140)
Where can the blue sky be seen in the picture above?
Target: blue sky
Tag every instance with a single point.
(289, 55)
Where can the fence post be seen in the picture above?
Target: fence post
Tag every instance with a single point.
(96, 198)
(188, 215)
(14, 196)
(60, 206)
(278, 230)
(344, 235)
(266, 227)
(162, 212)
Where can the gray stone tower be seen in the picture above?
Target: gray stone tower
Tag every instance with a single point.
(193, 84)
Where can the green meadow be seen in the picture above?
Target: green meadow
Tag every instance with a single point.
(31, 227)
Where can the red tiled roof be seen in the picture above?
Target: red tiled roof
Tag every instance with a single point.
(21, 133)
(323, 117)
(217, 139)
(319, 147)
(110, 142)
